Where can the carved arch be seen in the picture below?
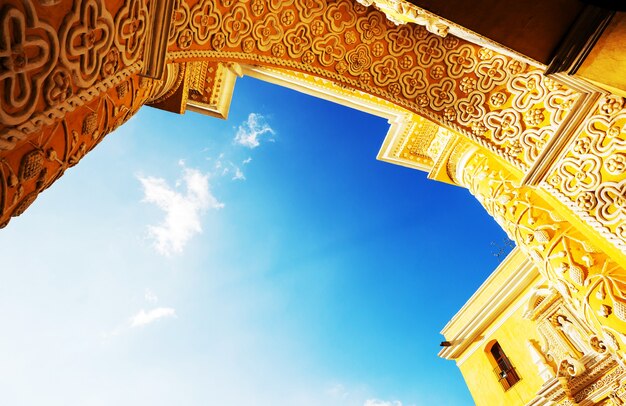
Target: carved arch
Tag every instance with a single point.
(501, 103)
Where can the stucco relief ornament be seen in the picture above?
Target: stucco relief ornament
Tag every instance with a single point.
(267, 32)
(204, 20)
(527, 89)
(28, 53)
(612, 202)
(237, 25)
(180, 17)
(401, 12)
(298, 40)
(545, 370)
(58, 87)
(131, 25)
(329, 49)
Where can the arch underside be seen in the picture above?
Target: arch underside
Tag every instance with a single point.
(75, 76)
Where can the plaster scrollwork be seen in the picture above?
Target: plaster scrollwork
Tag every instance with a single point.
(28, 53)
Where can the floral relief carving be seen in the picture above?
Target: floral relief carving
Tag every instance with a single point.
(372, 28)
(401, 40)
(110, 63)
(359, 60)
(340, 16)
(471, 108)
(616, 164)
(329, 48)
(28, 53)
(580, 174)
(204, 20)
(430, 52)
(559, 103)
(385, 71)
(310, 8)
(277, 5)
(596, 162)
(491, 73)
(258, 7)
(414, 82)
(237, 25)
(87, 35)
(461, 61)
(180, 17)
(300, 34)
(58, 87)
(504, 124)
(131, 25)
(298, 40)
(534, 140)
(612, 202)
(527, 90)
(442, 94)
(588, 280)
(268, 32)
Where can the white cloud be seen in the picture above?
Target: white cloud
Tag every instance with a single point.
(250, 131)
(150, 296)
(247, 161)
(377, 402)
(183, 211)
(239, 174)
(144, 318)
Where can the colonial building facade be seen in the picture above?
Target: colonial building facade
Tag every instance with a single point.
(522, 105)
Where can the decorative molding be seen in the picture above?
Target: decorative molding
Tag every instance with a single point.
(459, 85)
(160, 14)
(402, 12)
(497, 294)
(211, 88)
(580, 39)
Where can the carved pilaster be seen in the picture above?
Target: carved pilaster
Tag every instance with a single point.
(590, 282)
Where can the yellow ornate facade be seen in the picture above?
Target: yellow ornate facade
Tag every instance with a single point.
(544, 152)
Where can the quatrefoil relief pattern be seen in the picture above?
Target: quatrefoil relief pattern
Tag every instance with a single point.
(28, 52)
(87, 35)
(131, 25)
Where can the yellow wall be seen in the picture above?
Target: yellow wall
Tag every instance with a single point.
(477, 369)
(606, 63)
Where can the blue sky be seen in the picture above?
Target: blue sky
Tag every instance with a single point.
(265, 260)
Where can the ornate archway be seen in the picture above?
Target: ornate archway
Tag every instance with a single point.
(546, 157)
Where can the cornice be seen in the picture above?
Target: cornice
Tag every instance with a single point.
(501, 289)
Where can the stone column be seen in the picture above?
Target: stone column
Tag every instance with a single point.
(590, 281)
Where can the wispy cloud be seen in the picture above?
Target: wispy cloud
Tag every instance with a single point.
(250, 131)
(150, 296)
(144, 318)
(183, 210)
(239, 174)
(377, 402)
(247, 161)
